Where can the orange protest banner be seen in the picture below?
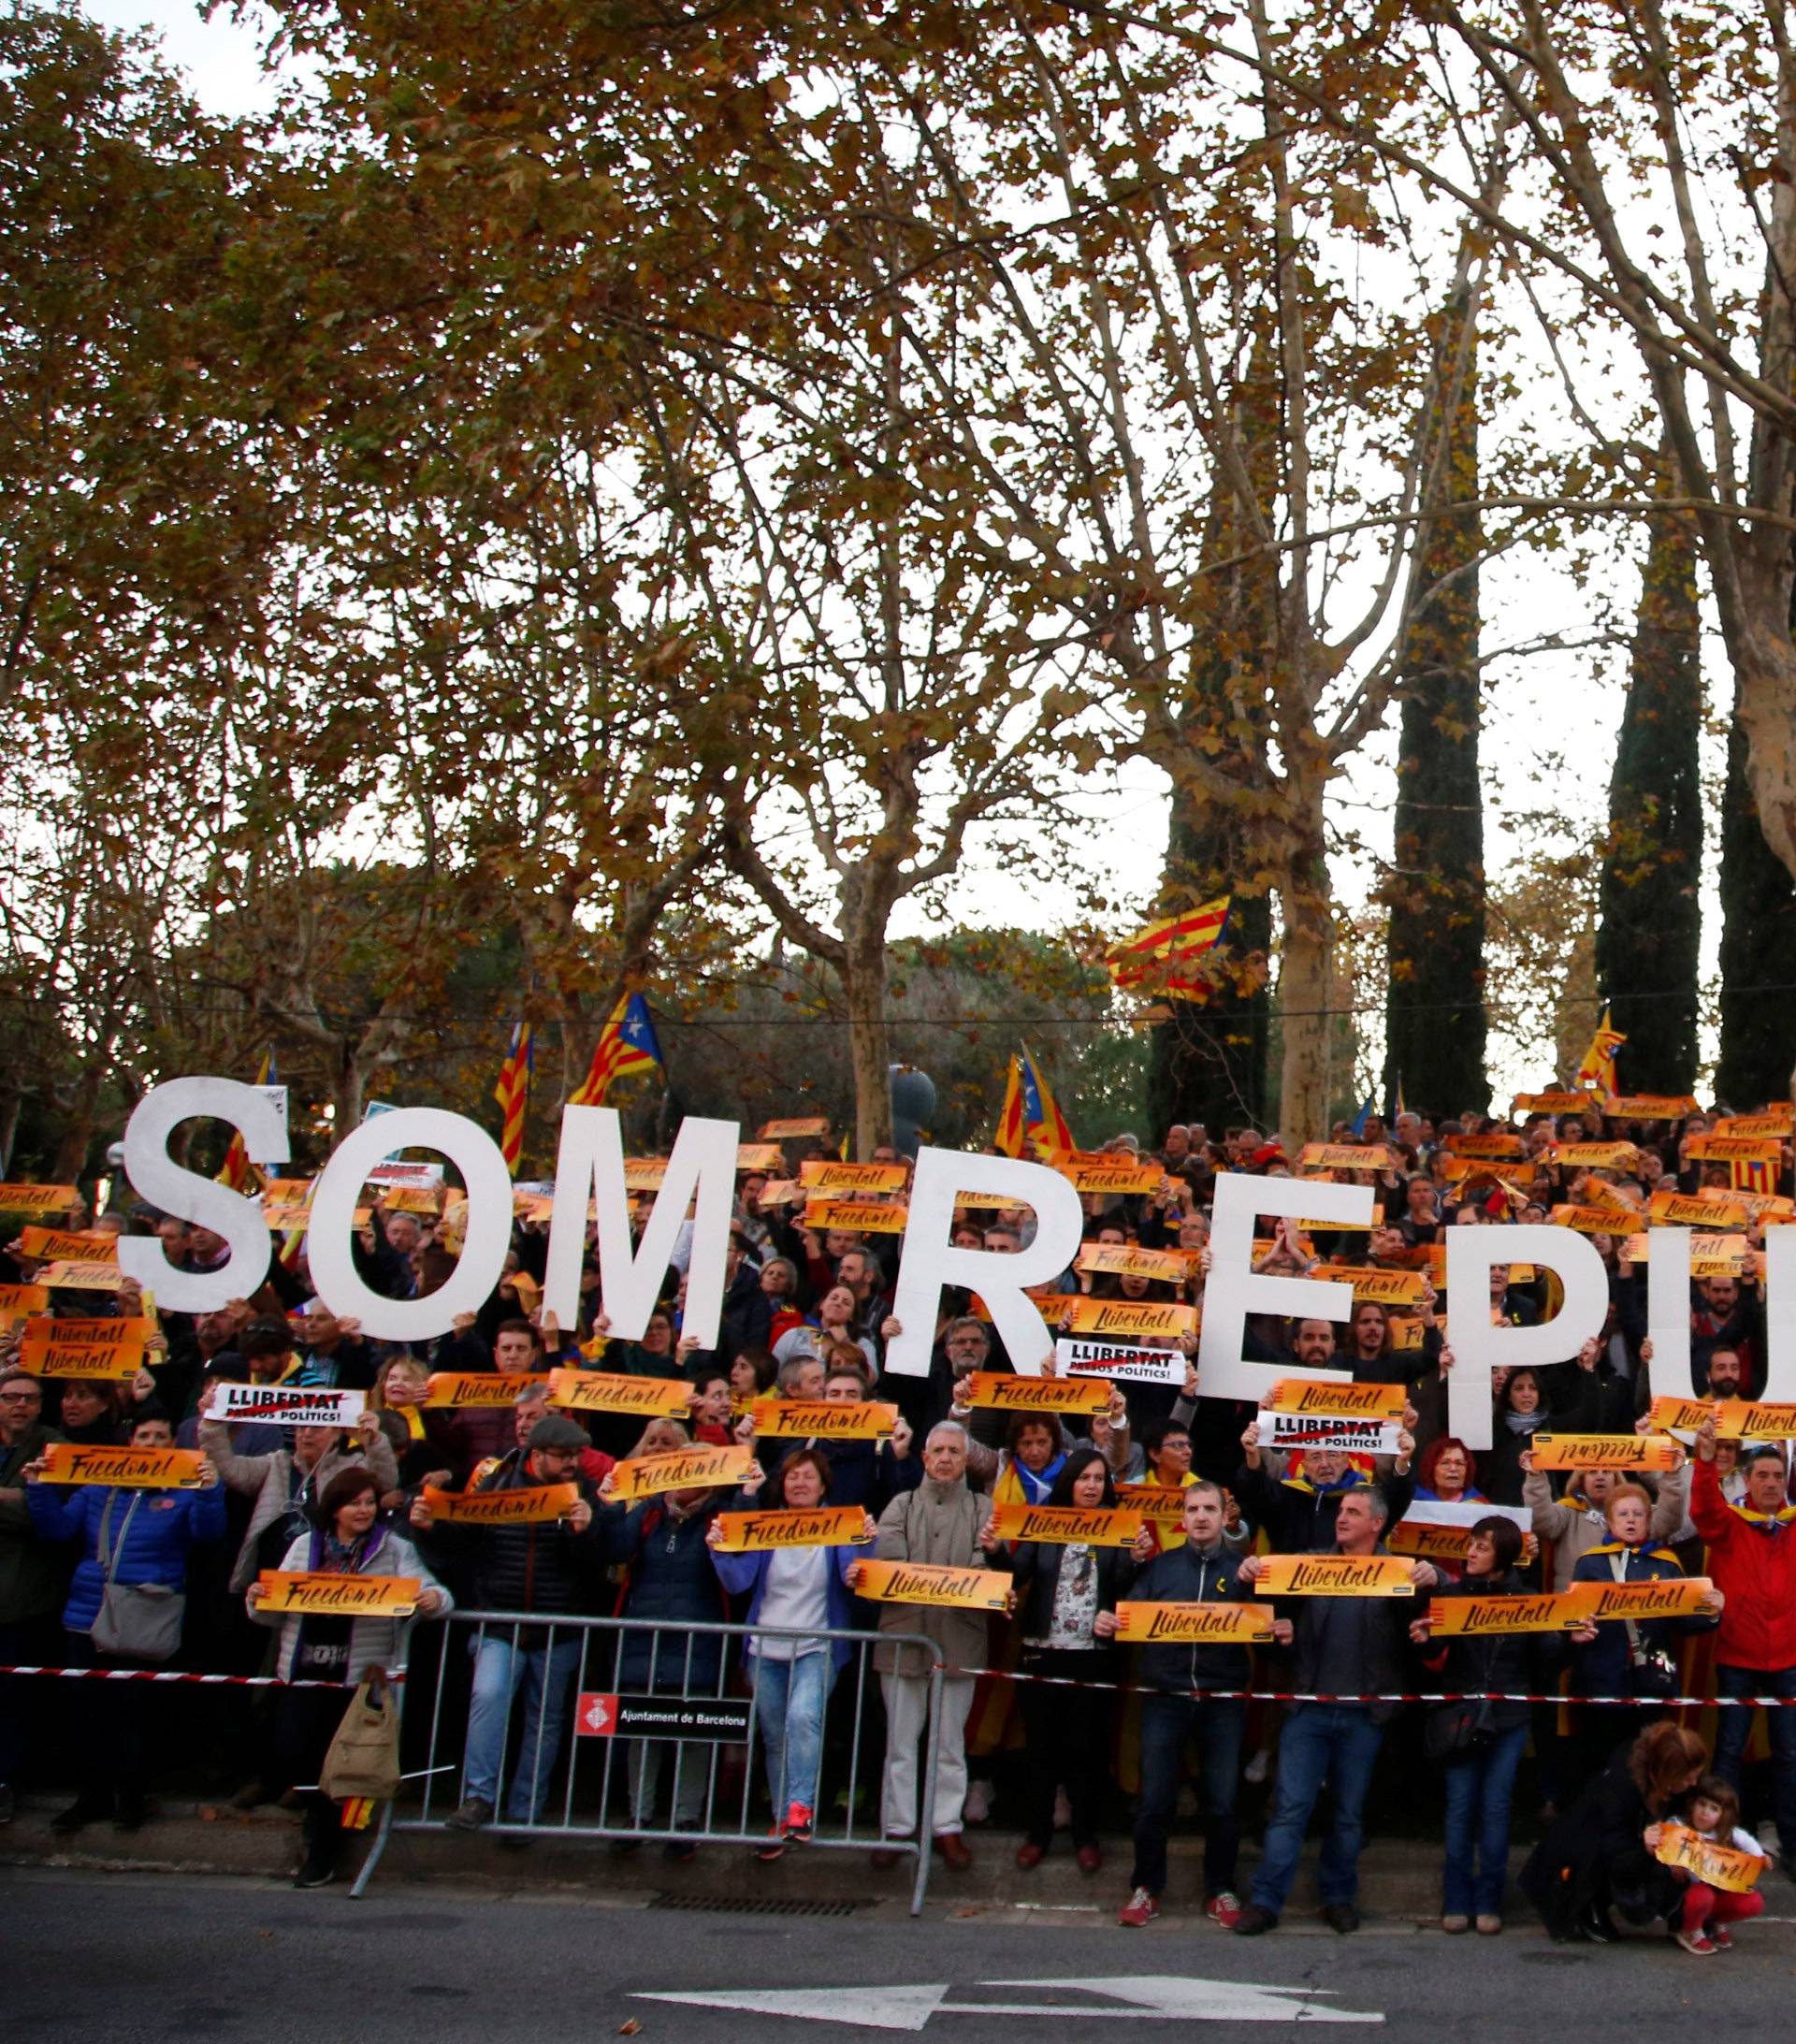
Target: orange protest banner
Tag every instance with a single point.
(929, 1582)
(606, 1391)
(1592, 1219)
(1197, 1625)
(1735, 1419)
(1496, 1149)
(856, 1216)
(1053, 1307)
(1593, 1157)
(50, 1245)
(680, 1469)
(1650, 1106)
(795, 1127)
(81, 1277)
(1387, 1401)
(1456, 1618)
(759, 1156)
(1698, 1211)
(1162, 1505)
(20, 1300)
(1333, 1576)
(449, 1387)
(822, 1419)
(1388, 1287)
(38, 1199)
(993, 1391)
(1704, 1860)
(1062, 1524)
(1605, 1450)
(1112, 1177)
(1138, 1319)
(823, 1175)
(1677, 1596)
(128, 1469)
(1551, 1102)
(753, 1532)
(1736, 1149)
(321, 1593)
(1344, 1156)
(110, 1350)
(537, 1506)
(1775, 1121)
(1117, 1260)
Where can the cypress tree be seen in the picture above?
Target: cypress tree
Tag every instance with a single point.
(1758, 950)
(1434, 1017)
(1650, 920)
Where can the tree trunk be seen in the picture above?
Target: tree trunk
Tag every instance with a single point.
(1758, 948)
(1649, 936)
(1208, 1061)
(1434, 1018)
(1307, 986)
(348, 1089)
(864, 988)
(78, 1127)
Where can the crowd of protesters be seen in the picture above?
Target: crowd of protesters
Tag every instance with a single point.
(1031, 1703)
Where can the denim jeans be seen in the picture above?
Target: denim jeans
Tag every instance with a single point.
(790, 1697)
(1732, 1728)
(1336, 1744)
(1167, 1723)
(1478, 1792)
(544, 1673)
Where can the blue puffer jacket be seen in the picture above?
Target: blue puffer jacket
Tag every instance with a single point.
(153, 1549)
(668, 1579)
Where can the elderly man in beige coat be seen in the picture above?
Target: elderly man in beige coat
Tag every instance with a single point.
(941, 1522)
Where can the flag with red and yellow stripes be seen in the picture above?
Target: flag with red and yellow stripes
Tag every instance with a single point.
(513, 1093)
(1171, 940)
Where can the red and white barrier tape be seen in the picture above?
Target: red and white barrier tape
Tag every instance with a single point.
(1374, 1696)
(175, 1675)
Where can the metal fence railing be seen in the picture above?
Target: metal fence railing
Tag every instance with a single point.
(581, 1728)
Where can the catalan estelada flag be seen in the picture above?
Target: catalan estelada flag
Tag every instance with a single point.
(513, 1093)
(1011, 1134)
(1043, 1122)
(1751, 1175)
(1596, 1073)
(627, 1045)
(236, 1171)
(1170, 941)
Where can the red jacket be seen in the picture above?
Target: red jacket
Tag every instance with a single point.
(1752, 1561)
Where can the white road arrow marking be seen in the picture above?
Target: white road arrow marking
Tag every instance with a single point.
(1153, 1998)
(873, 2007)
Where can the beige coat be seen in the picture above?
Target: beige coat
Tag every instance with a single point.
(935, 1523)
(1571, 1529)
(265, 1478)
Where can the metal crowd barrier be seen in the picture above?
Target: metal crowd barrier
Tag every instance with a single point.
(676, 1720)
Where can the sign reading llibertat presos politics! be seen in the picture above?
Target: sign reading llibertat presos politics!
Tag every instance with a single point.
(697, 1181)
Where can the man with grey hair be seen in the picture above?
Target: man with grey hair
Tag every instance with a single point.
(1345, 1646)
(944, 1524)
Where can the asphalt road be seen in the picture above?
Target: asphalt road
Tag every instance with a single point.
(131, 1957)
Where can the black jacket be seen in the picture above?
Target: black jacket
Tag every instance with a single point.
(1036, 1568)
(1523, 1663)
(1352, 1646)
(1596, 1855)
(1187, 1576)
(549, 1569)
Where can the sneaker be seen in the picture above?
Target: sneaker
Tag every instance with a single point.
(1455, 1925)
(1594, 1926)
(1722, 1940)
(1697, 1942)
(1490, 1925)
(1140, 1911)
(977, 1807)
(1224, 1910)
(1254, 1922)
(1341, 1917)
(318, 1872)
(799, 1822)
(473, 1814)
(772, 1844)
